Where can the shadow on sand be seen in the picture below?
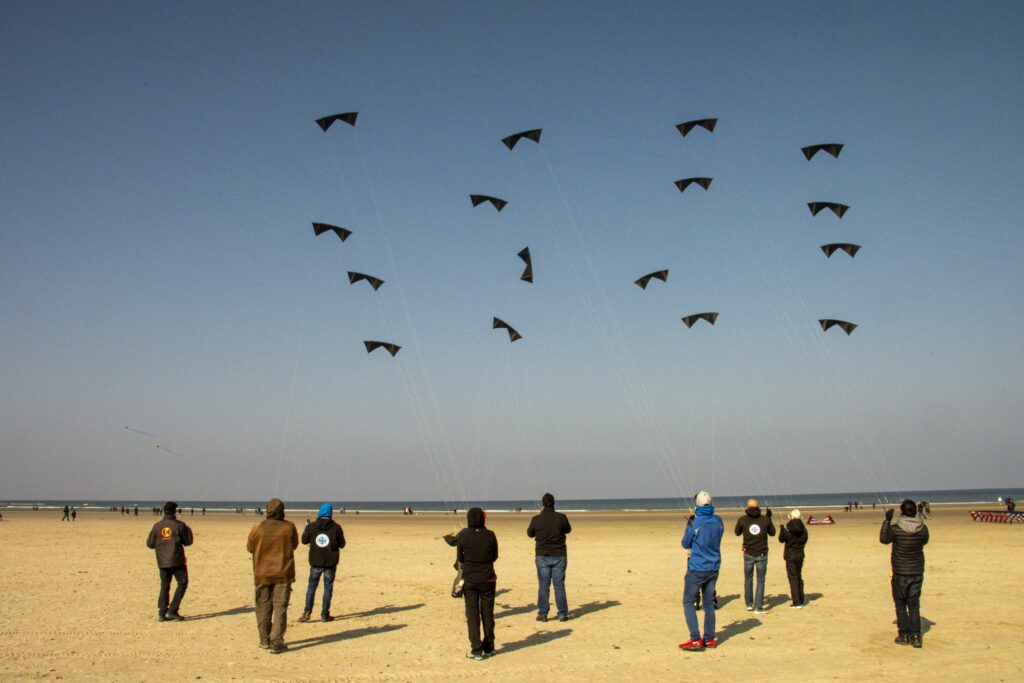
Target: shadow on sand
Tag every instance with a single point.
(736, 628)
(226, 613)
(926, 625)
(591, 607)
(512, 611)
(538, 638)
(724, 600)
(342, 635)
(377, 611)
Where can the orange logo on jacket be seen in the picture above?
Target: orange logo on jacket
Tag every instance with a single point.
(165, 532)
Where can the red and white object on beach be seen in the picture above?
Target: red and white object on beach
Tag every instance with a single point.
(997, 516)
(827, 519)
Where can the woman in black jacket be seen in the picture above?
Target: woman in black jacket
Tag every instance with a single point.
(794, 535)
(477, 552)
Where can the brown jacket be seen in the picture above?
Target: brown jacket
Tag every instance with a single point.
(272, 543)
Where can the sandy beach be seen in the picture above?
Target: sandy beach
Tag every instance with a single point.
(80, 604)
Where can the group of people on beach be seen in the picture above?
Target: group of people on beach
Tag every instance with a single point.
(273, 540)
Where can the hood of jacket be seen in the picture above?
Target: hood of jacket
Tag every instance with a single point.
(275, 508)
(753, 512)
(911, 525)
(796, 527)
(475, 518)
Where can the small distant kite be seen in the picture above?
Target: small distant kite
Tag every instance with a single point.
(657, 275)
(139, 431)
(168, 450)
(512, 334)
(321, 228)
(689, 320)
(479, 199)
(850, 249)
(706, 124)
(838, 209)
(686, 182)
(528, 271)
(375, 282)
(833, 148)
(841, 324)
(387, 346)
(511, 140)
(348, 117)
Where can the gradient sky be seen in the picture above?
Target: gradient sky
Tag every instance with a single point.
(160, 168)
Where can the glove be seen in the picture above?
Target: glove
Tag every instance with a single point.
(768, 513)
(888, 514)
(690, 520)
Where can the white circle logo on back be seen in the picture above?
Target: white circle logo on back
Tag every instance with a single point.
(754, 529)
(322, 540)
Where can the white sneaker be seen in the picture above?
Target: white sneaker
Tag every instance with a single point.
(750, 608)
(796, 606)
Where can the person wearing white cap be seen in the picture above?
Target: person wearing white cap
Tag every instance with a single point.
(703, 538)
(794, 535)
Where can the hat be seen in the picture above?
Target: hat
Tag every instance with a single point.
(547, 500)
(794, 514)
(703, 498)
(170, 508)
(326, 510)
(908, 508)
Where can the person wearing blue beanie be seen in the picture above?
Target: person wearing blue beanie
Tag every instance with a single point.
(325, 539)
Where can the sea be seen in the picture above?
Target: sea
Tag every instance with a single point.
(983, 498)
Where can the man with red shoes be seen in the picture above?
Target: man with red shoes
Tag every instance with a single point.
(703, 538)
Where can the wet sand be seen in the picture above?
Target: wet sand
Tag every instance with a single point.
(79, 603)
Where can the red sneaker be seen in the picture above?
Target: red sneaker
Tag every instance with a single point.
(692, 645)
(711, 643)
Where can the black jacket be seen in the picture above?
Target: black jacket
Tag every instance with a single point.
(756, 530)
(908, 537)
(324, 538)
(477, 549)
(549, 529)
(169, 538)
(794, 534)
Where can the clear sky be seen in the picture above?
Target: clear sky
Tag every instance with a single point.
(160, 170)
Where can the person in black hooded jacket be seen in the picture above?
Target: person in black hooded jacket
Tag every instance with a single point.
(168, 538)
(908, 537)
(794, 535)
(755, 530)
(477, 551)
(325, 539)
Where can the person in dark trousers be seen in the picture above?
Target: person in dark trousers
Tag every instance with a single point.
(755, 530)
(272, 543)
(794, 535)
(703, 538)
(908, 537)
(67, 514)
(168, 538)
(548, 529)
(477, 551)
(325, 539)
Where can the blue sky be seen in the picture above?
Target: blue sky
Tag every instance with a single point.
(160, 168)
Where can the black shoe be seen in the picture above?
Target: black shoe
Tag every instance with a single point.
(174, 616)
(304, 618)
(542, 617)
(565, 617)
(278, 649)
(265, 644)
(327, 617)
(915, 640)
(902, 639)
(161, 617)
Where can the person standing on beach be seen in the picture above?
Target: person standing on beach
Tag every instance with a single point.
(794, 535)
(703, 538)
(324, 538)
(67, 514)
(908, 536)
(272, 543)
(477, 551)
(755, 530)
(548, 529)
(168, 538)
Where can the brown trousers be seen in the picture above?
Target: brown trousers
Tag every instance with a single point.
(272, 612)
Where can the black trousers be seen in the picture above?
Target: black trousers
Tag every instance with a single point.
(180, 575)
(794, 572)
(906, 594)
(479, 599)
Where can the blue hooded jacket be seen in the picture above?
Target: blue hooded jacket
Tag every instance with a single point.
(703, 538)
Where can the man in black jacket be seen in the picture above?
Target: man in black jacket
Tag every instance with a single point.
(324, 538)
(908, 537)
(477, 552)
(794, 535)
(168, 538)
(549, 529)
(755, 530)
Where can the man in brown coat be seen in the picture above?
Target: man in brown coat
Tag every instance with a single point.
(272, 543)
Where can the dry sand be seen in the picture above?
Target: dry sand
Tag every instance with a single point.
(79, 603)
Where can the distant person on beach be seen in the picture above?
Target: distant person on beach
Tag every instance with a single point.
(548, 529)
(272, 543)
(703, 538)
(67, 514)
(74, 514)
(324, 538)
(794, 535)
(908, 536)
(755, 529)
(1011, 504)
(476, 554)
(168, 538)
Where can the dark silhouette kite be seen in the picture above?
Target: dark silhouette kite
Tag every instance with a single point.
(168, 450)
(841, 324)
(348, 117)
(511, 140)
(321, 228)
(838, 209)
(689, 320)
(657, 275)
(706, 124)
(850, 249)
(528, 271)
(512, 334)
(833, 148)
(390, 348)
(686, 182)
(479, 199)
(375, 282)
(139, 431)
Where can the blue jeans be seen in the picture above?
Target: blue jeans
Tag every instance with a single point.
(314, 580)
(749, 564)
(551, 570)
(695, 584)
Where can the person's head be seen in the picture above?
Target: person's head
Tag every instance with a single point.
(547, 500)
(908, 508)
(475, 518)
(794, 514)
(751, 503)
(703, 498)
(170, 508)
(275, 508)
(326, 510)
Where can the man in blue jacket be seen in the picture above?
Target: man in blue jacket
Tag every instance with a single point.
(703, 538)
